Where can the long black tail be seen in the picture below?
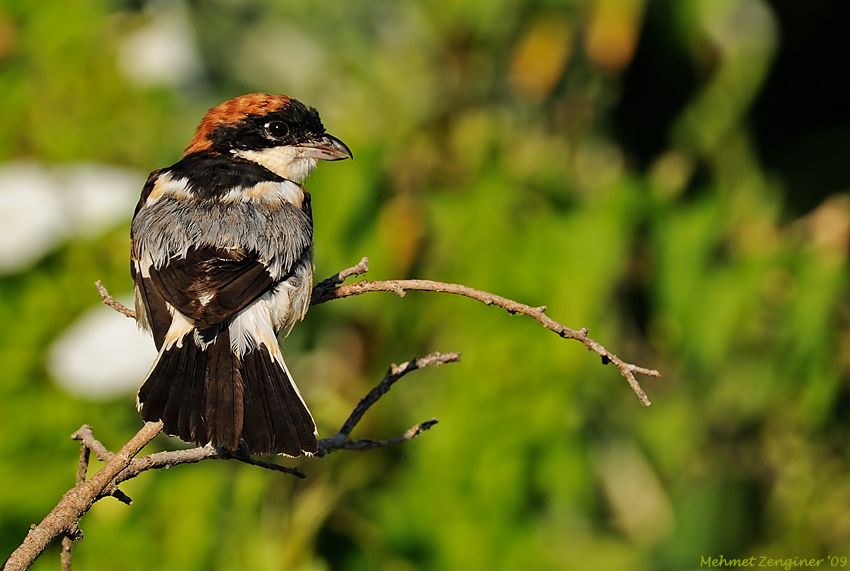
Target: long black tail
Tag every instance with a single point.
(213, 395)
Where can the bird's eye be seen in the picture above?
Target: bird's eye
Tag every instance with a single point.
(277, 129)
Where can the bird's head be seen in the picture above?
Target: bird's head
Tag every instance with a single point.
(281, 134)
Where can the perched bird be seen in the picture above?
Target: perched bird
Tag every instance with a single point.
(222, 260)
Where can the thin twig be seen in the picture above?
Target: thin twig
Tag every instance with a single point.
(393, 374)
(112, 302)
(329, 445)
(193, 456)
(87, 439)
(401, 287)
(65, 556)
(331, 282)
(341, 441)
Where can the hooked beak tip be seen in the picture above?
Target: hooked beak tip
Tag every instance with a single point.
(328, 148)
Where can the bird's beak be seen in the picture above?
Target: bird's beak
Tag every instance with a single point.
(325, 147)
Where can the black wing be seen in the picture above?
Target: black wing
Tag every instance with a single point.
(211, 284)
(156, 311)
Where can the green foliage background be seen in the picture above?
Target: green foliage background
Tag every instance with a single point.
(652, 170)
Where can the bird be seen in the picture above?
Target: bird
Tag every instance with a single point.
(222, 262)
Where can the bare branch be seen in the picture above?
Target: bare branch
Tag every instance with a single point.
(87, 439)
(401, 287)
(393, 374)
(341, 441)
(193, 456)
(328, 445)
(68, 539)
(267, 465)
(329, 283)
(112, 302)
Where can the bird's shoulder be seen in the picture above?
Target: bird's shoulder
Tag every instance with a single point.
(215, 174)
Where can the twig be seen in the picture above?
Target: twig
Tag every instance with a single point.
(87, 439)
(331, 282)
(193, 456)
(341, 441)
(364, 444)
(112, 302)
(401, 287)
(171, 458)
(68, 539)
(393, 374)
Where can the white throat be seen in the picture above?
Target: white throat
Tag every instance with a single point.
(286, 161)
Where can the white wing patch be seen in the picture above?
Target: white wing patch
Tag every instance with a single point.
(270, 193)
(165, 186)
